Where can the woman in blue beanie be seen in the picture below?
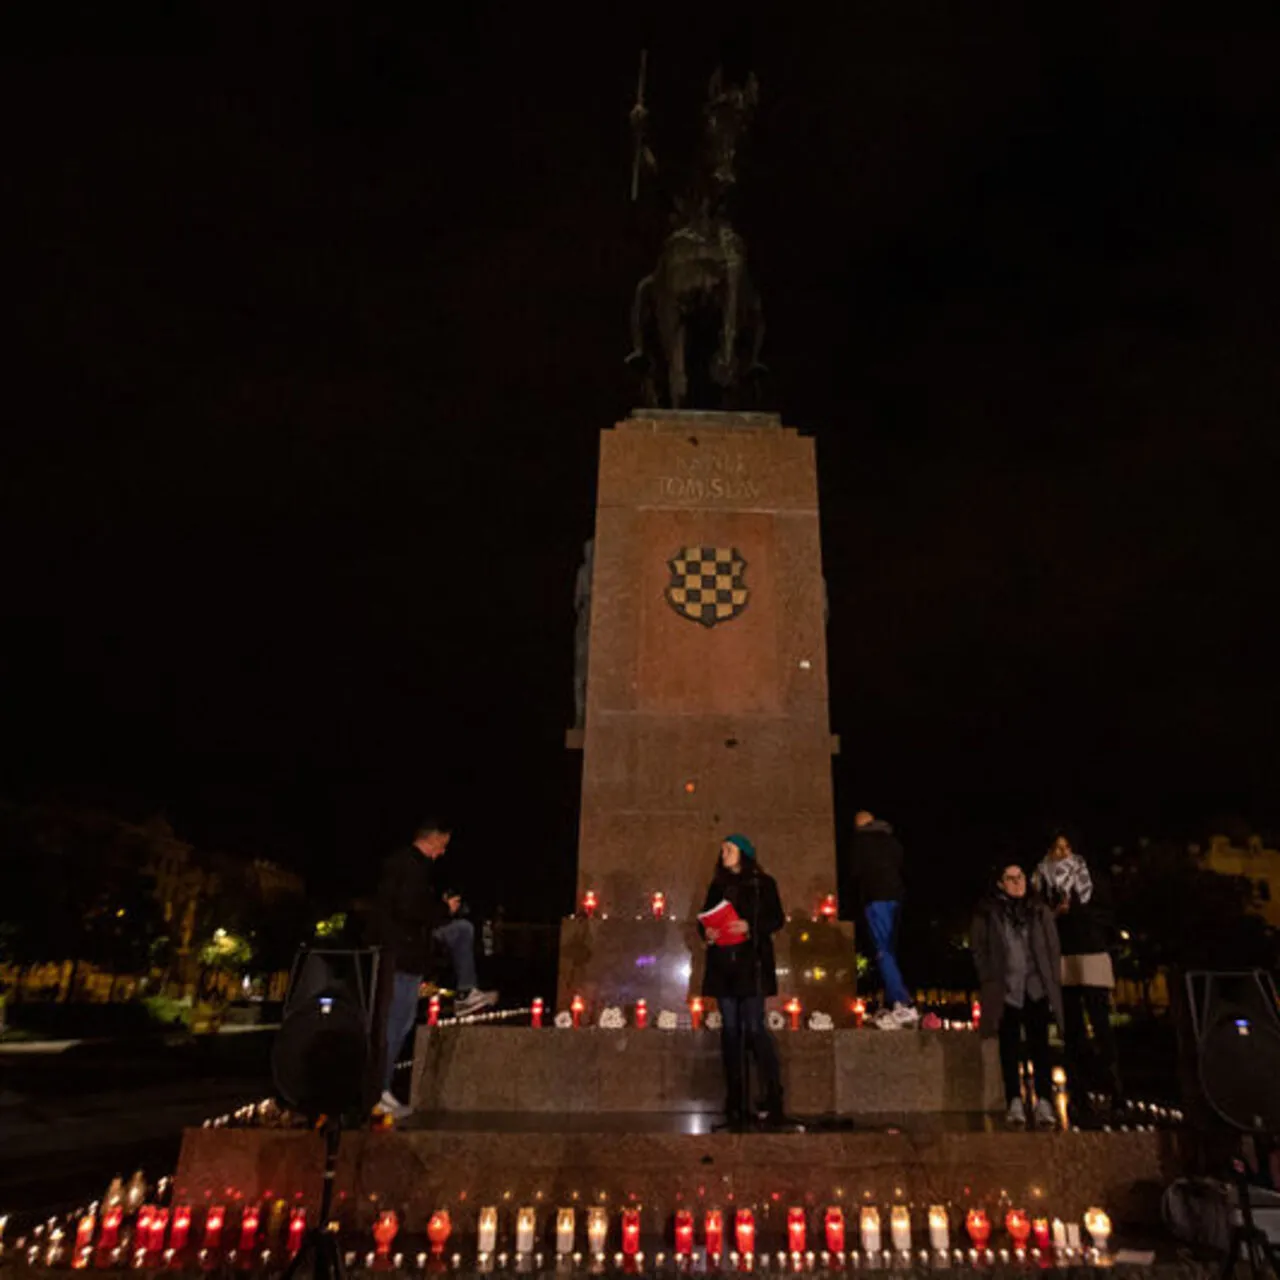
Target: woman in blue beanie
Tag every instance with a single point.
(741, 974)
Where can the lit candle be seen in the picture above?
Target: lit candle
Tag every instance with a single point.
(1018, 1225)
(385, 1230)
(1040, 1229)
(979, 1227)
(1061, 1098)
(159, 1226)
(939, 1228)
(1073, 1235)
(900, 1228)
(438, 1228)
(744, 1231)
(213, 1221)
(433, 1011)
(84, 1231)
(827, 908)
(794, 1010)
(695, 1012)
(535, 1018)
(526, 1220)
(684, 1231)
(713, 1229)
(833, 1225)
(859, 1011)
(181, 1229)
(487, 1230)
(590, 901)
(1059, 1234)
(249, 1227)
(976, 1015)
(630, 1232)
(564, 1231)
(1098, 1225)
(659, 904)
(576, 1008)
(869, 1223)
(795, 1229)
(642, 1014)
(597, 1229)
(297, 1229)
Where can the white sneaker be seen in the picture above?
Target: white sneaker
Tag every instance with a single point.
(473, 1002)
(1045, 1117)
(390, 1105)
(1016, 1116)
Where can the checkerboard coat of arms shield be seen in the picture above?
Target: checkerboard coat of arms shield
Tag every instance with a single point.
(707, 584)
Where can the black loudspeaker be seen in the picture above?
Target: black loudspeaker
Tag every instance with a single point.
(1235, 1022)
(323, 1061)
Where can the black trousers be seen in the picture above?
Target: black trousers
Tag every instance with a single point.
(1096, 1066)
(1033, 1018)
(743, 1029)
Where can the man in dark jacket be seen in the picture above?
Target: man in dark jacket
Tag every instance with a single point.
(872, 873)
(413, 911)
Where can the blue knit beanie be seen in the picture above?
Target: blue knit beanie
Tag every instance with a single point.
(745, 847)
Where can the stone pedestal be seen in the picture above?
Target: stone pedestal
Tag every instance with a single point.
(706, 699)
(474, 1070)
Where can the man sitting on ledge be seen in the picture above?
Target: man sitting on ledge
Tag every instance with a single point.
(412, 912)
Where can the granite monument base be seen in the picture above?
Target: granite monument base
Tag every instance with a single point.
(843, 1072)
(575, 1160)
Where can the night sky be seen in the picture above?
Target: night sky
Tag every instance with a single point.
(321, 308)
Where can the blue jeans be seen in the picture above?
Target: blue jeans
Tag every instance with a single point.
(743, 1028)
(459, 936)
(882, 920)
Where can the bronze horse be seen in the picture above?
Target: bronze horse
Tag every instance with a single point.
(702, 268)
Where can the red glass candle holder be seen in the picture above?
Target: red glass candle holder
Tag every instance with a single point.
(642, 1014)
(744, 1230)
(577, 1006)
(695, 1012)
(385, 1230)
(978, 1226)
(297, 1229)
(859, 1011)
(631, 1232)
(433, 1011)
(159, 1229)
(180, 1232)
(438, 1228)
(1018, 1225)
(793, 1012)
(1040, 1229)
(795, 1229)
(713, 1230)
(834, 1226)
(535, 1013)
(658, 903)
(110, 1234)
(827, 908)
(590, 903)
(214, 1221)
(249, 1228)
(684, 1231)
(975, 1014)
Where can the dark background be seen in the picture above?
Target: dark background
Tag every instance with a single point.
(321, 308)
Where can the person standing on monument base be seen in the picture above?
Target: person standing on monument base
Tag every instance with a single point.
(872, 873)
(741, 975)
(413, 912)
(1015, 951)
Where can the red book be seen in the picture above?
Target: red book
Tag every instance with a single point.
(720, 917)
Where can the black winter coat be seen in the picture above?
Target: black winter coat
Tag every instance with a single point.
(410, 905)
(1089, 928)
(987, 941)
(871, 869)
(747, 968)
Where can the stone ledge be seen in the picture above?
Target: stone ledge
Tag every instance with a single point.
(843, 1072)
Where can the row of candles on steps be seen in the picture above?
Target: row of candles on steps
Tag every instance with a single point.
(826, 909)
(156, 1233)
(697, 1012)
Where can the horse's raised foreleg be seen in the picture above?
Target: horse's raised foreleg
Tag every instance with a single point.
(725, 367)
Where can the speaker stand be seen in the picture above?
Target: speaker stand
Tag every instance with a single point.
(319, 1252)
(1247, 1238)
